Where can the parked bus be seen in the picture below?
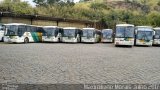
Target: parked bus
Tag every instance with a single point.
(71, 35)
(51, 34)
(2, 30)
(107, 35)
(144, 35)
(124, 34)
(22, 33)
(156, 38)
(90, 35)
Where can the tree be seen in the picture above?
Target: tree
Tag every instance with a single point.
(158, 3)
(39, 2)
(52, 1)
(45, 2)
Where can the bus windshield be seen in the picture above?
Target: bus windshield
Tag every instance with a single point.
(12, 29)
(2, 27)
(145, 35)
(88, 33)
(69, 32)
(107, 34)
(157, 34)
(50, 31)
(125, 32)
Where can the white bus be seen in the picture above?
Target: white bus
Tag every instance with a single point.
(2, 30)
(71, 35)
(156, 38)
(22, 33)
(90, 35)
(107, 35)
(124, 34)
(144, 35)
(51, 34)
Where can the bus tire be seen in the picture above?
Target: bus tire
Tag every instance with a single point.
(26, 40)
(2, 39)
(59, 40)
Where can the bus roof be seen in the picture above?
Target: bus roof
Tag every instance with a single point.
(106, 29)
(88, 28)
(49, 26)
(15, 24)
(70, 28)
(157, 28)
(125, 25)
(33, 25)
(144, 28)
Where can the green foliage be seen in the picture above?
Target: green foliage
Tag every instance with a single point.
(16, 7)
(45, 2)
(39, 2)
(142, 12)
(158, 3)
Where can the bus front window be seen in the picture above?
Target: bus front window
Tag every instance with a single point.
(2, 27)
(88, 33)
(145, 35)
(107, 34)
(50, 32)
(11, 30)
(157, 34)
(120, 32)
(125, 32)
(21, 30)
(69, 33)
(129, 32)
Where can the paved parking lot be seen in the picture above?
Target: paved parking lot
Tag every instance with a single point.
(78, 63)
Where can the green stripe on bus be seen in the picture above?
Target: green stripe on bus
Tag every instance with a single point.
(35, 36)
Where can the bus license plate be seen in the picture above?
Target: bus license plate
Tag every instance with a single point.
(12, 37)
(141, 40)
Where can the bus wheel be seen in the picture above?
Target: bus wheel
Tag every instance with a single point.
(2, 39)
(26, 40)
(59, 40)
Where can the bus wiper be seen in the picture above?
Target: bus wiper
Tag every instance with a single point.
(147, 39)
(127, 35)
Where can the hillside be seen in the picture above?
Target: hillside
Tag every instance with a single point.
(107, 12)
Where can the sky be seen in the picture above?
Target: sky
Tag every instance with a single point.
(33, 4)
(30, 2)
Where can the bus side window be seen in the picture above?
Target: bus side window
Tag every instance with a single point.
(21, 30)
(56, 31)
(40, 29)
(61, 31)
(28, 28)
(34, 29)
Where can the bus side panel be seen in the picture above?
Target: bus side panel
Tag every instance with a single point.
(1, 35)
(35, 36)
(39, 35)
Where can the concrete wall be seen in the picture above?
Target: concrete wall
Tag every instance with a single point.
(44, 23)
(41, 22)
(14, 20)
(68, 24)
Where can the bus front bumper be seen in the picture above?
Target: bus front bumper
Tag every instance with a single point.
(71, 40)
(123, 41)
(14, 39)
(156, 42)
(141, 42)
(107, 40)
(129, 43)
(53, 39)
(90, 40)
